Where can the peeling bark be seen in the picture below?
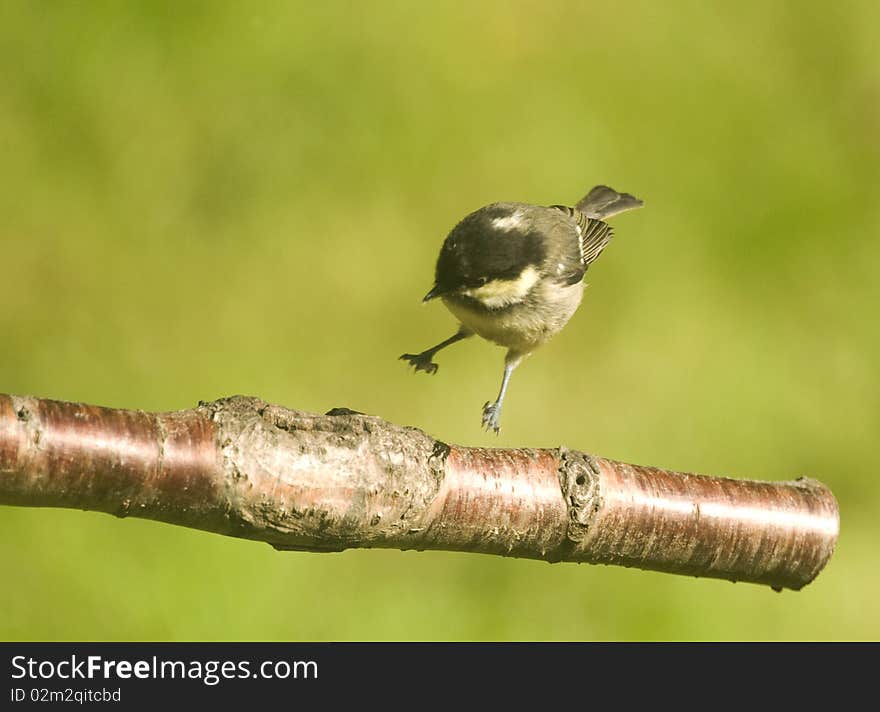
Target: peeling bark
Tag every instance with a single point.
(307, 482)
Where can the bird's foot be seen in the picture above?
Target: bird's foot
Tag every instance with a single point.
(491, 416)
(421, 362)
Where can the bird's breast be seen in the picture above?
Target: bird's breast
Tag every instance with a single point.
(525, 325)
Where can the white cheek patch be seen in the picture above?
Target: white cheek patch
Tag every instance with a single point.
(508, 222)
(504, 292)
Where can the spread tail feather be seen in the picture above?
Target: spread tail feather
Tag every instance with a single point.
(603, 202)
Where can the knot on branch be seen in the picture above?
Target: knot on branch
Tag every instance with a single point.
(579, 480)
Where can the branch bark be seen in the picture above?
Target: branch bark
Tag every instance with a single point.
(300, 481)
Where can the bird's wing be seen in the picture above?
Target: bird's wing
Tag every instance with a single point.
(593, 235)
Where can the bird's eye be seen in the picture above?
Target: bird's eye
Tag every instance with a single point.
(482, 280)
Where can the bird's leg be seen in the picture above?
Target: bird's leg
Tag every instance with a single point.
(424, 362)
(492, 411)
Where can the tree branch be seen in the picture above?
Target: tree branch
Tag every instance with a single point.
(300, 481)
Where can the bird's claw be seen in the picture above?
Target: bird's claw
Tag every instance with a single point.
(421, 362)
(491, 416)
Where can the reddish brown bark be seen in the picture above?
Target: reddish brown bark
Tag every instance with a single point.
(309, 482)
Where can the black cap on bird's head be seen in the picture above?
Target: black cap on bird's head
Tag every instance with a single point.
(495, 242)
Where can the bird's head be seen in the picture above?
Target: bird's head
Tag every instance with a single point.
(492, 257)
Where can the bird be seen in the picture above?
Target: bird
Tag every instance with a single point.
(512, 273)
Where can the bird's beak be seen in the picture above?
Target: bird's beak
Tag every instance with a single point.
(433, 294)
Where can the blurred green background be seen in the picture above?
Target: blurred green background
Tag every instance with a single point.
(203, 199)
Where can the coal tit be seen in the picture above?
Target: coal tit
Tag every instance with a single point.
(513, 274)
